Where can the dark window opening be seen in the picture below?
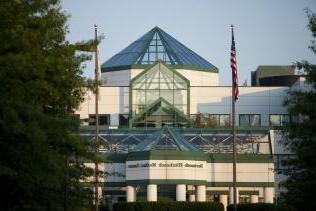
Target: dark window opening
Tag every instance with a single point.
(124, 120)
(104, 119)
(249, 119)
(279, 119)
(210, 120)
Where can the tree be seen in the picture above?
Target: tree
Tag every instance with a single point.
(301, 183)
(41, 157)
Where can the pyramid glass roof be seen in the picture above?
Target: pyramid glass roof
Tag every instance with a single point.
(153, 46)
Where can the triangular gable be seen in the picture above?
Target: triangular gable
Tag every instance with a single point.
(159, 62)
(165, 106)
(165, 139)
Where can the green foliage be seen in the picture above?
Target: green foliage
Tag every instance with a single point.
(258, 207)
(160, 198)
(41, 86)
(168, 206)
(301, 184)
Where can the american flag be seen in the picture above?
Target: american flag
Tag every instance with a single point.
(234, 66)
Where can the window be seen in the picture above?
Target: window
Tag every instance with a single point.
(210, 120)
(249, 119)
(279, 119)
(84, 122)
(243, 119)
(224, 119)
(156, 51)
(214, 119)
(104, 119)
(279, 161)
(123, 120)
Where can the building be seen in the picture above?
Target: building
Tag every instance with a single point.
(277, 75)
(166, 122)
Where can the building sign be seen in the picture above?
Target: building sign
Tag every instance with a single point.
(164, 164)
(167, 170)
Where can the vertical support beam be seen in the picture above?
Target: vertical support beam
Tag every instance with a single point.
(223, 200)
(234, 98)
(254, 199)
(130, 194)
(151, 192)
(231, 195)
(96, 170)
(181, 192)
(200, 193)
(268, 194)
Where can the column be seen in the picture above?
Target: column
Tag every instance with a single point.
(130, 194)
(200, 193)
(254, 199)
(231, 195)
(192, 197)
(181, 192)
(151, 192)
(100, 194)
(223, 200)
(268, 194)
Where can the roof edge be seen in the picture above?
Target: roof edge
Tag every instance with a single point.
(174, 66)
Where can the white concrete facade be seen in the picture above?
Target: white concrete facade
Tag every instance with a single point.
(130, 194)
(268, 194)
(181, 192)
(231, 195)
(200, 78)
(151, 192)
(211, 100)
(123, 77)
(223, 199)
(210, 172)
(254, 198)
(200, 193)
(192, 197)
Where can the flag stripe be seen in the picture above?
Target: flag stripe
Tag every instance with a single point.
(233, 65)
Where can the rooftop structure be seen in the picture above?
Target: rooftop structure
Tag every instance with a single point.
(274, 75)
(153, 46)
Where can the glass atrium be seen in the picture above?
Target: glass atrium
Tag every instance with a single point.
(160, 96)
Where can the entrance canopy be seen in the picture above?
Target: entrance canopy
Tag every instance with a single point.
(166, 139)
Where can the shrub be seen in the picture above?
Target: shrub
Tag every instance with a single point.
(168, 206)
(258, 207)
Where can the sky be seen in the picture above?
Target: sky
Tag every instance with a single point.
(267, 32)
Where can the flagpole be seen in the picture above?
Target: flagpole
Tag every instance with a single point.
(234, 133)
(96, 168)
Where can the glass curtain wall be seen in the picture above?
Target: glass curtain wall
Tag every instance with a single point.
(159, 97)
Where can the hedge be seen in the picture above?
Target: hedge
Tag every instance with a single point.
(258, 207)
(168, 206)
